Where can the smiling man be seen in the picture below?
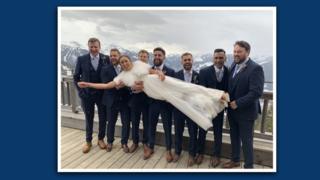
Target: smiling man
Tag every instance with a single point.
(245, 88)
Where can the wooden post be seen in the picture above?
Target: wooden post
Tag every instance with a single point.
(73, 97)
(264, 115)
(62, 94)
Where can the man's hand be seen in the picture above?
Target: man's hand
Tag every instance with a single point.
(233, 105)
(137, 87)
(224, 98)
(83, 84)
(161, 75)
(120, 85)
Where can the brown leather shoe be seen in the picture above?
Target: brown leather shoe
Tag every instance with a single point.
(231, 164)
(109, 147)
(133, 148)
(169, 156)
(86, 147)
(199, 159)
(145, 148)
(176, 157)
(214, 161)
(148, 152)
(101, 144)
(125, 148)
(191, 161)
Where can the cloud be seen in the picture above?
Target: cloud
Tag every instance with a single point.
(176, 31)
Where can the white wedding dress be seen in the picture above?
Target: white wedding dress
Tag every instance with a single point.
(200, 104)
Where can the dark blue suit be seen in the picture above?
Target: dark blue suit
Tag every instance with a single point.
(139, 104)
(164, 108)
(209, 79)
(116, 101)
(180, 119)
(245, 88)
(89, 97)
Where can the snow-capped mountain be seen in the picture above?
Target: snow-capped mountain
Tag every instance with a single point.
(69, 54)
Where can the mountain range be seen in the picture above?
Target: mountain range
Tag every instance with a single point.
(69, 54)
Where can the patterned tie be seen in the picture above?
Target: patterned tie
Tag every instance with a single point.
(236, 70)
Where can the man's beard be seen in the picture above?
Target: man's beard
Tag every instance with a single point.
(157, 62)
(187, 67)
(238, 60)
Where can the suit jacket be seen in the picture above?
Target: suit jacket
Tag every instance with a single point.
(246, 88)
(84, 71)
(108, 73)
(194, 78)
(138, 100)
(208, 78)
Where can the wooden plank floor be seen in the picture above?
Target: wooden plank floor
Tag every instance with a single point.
(73, 158)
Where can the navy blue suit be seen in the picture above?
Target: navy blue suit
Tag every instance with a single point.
(245, 88)
(116, 101)
(164, 108)
(84, 71)
(139, 104)
(181, 119)
(209, 79)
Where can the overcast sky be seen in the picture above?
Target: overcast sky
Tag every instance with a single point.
(176, 31)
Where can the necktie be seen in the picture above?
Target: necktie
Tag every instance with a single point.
(236, 70)
(219, 75)
(117, 69)
(94, 63)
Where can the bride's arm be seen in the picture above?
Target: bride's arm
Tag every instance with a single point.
(109, 85)
(159, 73)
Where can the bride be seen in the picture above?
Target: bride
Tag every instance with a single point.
(200, 104)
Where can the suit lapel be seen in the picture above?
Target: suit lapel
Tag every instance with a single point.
(213, 74)
(235, 79)
(181, 74)
(194, 77)
(113, 71)
(89, 63)
(101, 62)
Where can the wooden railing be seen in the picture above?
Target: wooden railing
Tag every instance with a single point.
(69, 97)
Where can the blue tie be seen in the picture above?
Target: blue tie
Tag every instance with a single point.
(235, 71)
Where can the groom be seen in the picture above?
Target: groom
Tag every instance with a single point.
(158, 107)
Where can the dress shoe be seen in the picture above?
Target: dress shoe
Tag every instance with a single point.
(109, 147)
(101, 144)
(190, 161)
(133, 148)
(214, 161)
(169, 156)
(86, 147)
(231, 164)
(199, 159)
(125, 148)
(176, 157)
(148, 152)
(145, 148)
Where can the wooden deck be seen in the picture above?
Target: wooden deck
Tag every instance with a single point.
(72, 157)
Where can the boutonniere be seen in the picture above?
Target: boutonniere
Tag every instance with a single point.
(195, 79)
(243, 67)
(103, 57)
